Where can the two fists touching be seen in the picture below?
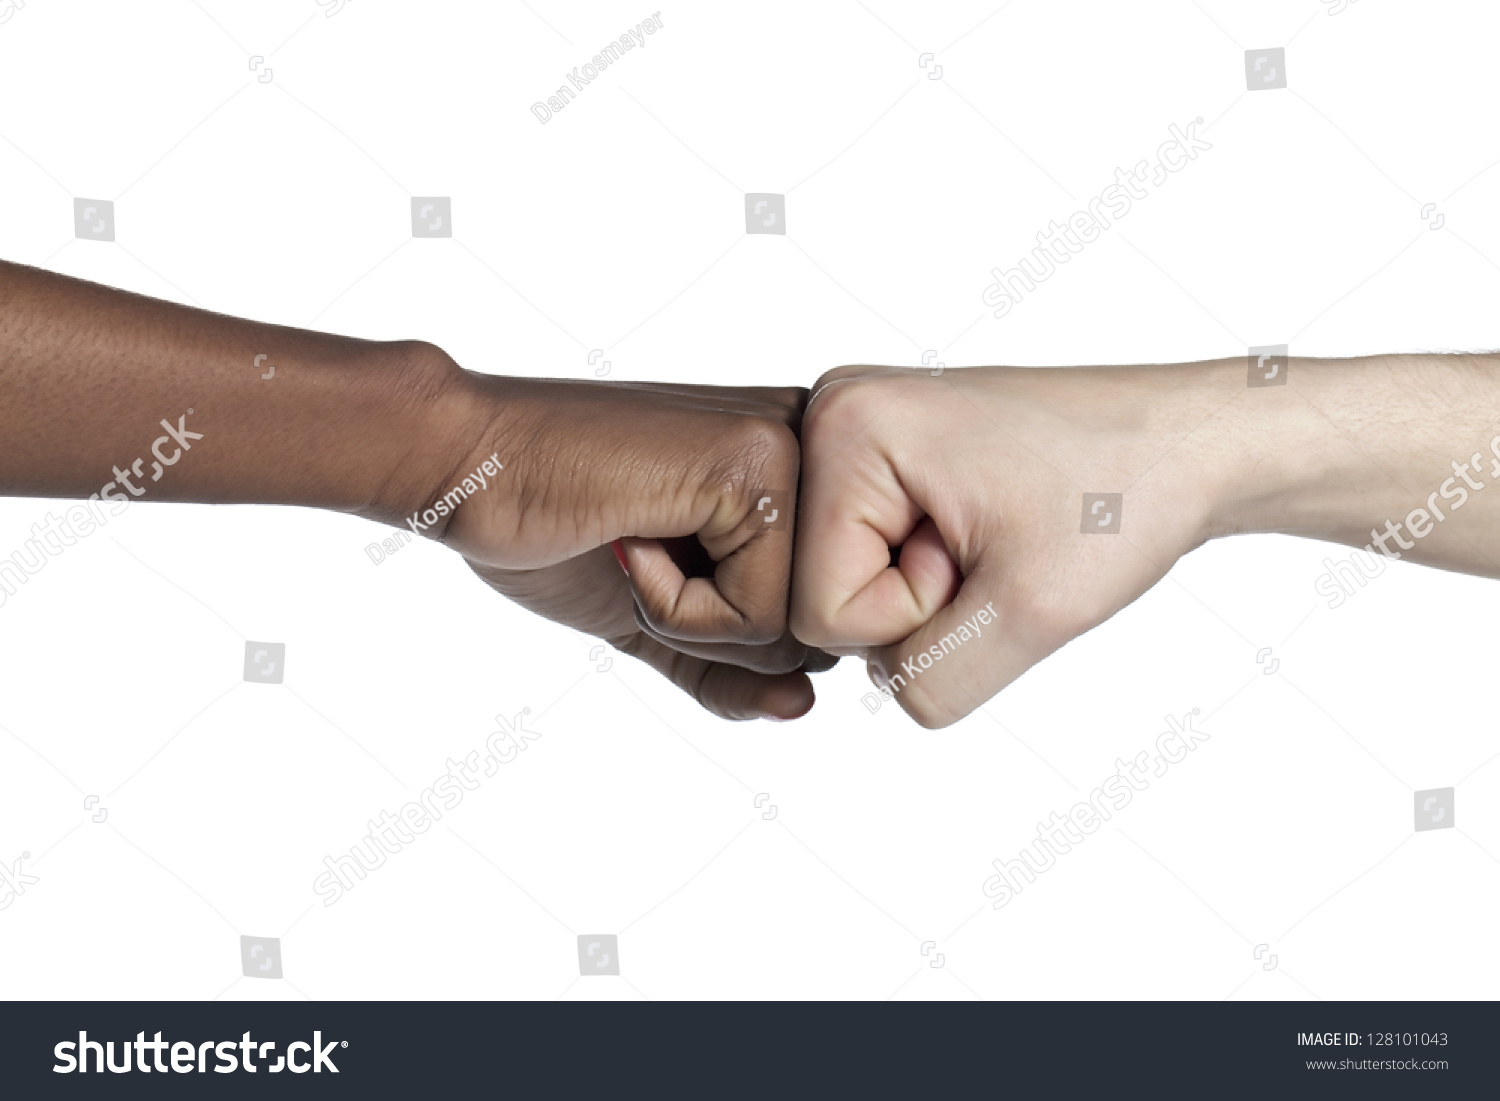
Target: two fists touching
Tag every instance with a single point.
(951, 530)
(936, 533)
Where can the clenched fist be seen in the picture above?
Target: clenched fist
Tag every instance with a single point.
(954, 530)
(978, 477)
(691, 488)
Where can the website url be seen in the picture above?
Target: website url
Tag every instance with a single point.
(1377, 1064)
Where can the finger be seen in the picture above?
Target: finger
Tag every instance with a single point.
(1009, 614)
(854, 509)
(818, 661)
(958, 659)
(785, 655)
(751, 534)
(681, 609)
(675, 606)
(747, 535)
(744, 602)
(927, 566)
(726, 690)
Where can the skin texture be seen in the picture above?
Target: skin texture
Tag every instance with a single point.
(975, 479)
(385, 430)
(978, 477)
(597, 461)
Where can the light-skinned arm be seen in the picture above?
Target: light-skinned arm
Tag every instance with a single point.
(979, 476)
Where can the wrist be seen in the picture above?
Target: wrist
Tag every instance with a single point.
(1275, 463)
(1344, 446)
(437, 419)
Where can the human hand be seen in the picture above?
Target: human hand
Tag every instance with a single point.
(396, 432)
(979, 476)
(676, 473)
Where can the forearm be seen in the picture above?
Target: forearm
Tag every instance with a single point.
(1048, 499)
(1388, 451)
(88, 374)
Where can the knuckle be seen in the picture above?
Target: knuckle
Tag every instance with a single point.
(845, 405)
(772, 631)
(752, 454)
(783, 655)
(761, 615)
(836, 374)
(830, 408)
(761, 631)
(651, 614)
(766, 443)
(788, 657)
(811, 627)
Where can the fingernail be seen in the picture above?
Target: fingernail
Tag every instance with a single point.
(619, 548)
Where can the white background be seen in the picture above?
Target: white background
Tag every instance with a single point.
(619, 225)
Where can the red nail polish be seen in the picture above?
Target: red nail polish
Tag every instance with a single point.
(619, 548)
